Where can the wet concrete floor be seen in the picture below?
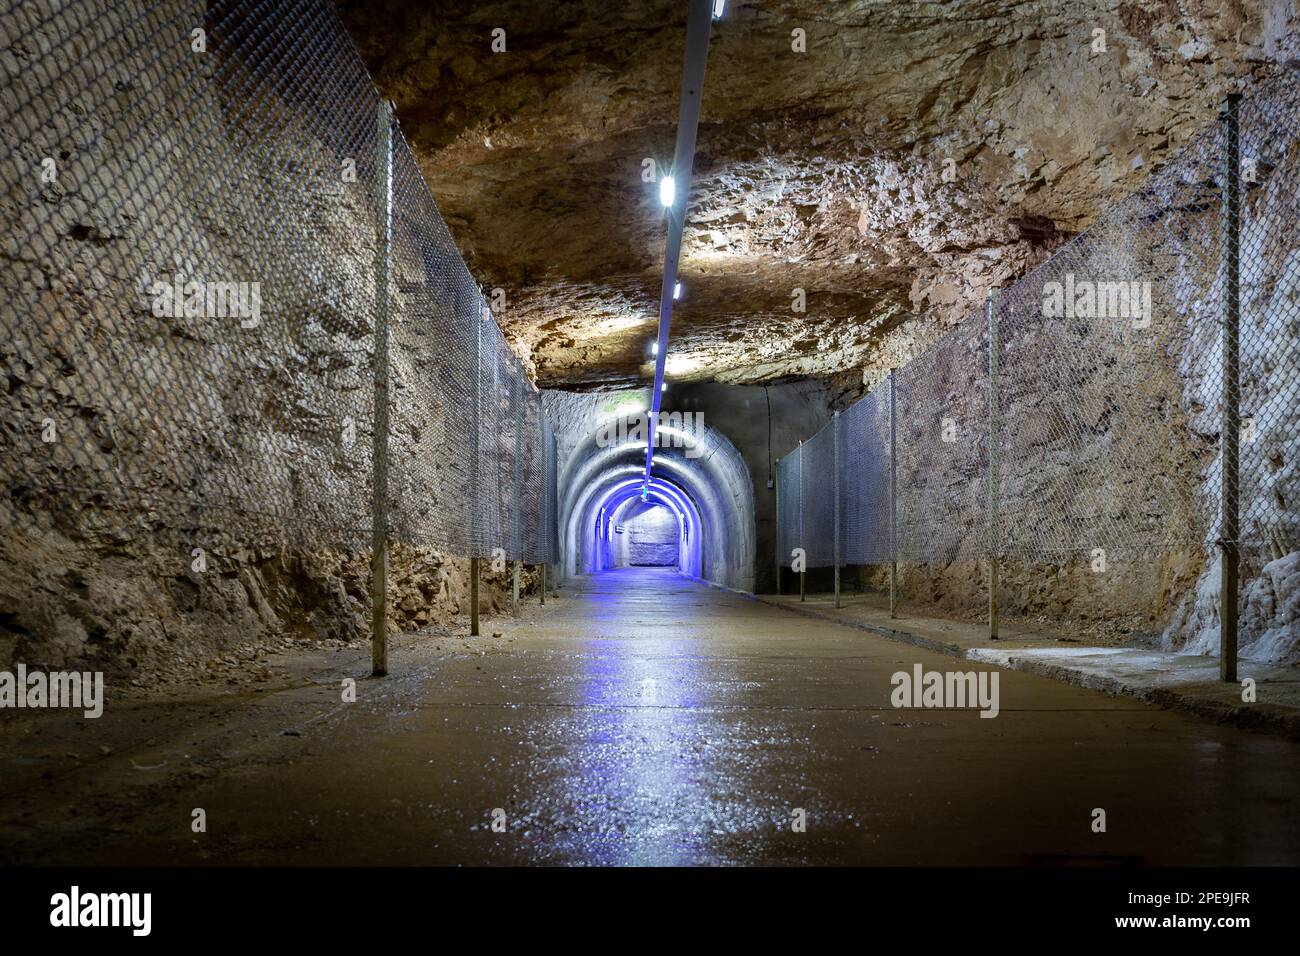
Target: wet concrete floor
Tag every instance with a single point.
(647, 719)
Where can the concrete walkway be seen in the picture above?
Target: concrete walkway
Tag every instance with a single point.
(643, 718)
(1183, 681)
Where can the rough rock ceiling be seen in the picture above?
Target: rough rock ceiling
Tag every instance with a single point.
(821, 170)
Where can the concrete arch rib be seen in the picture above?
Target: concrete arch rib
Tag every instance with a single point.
(710, 474)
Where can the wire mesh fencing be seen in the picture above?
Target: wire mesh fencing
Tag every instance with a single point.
(207, 210)
(548, 541)
(817, 504)
(789, 507)
(1137, 394)
(941, 435)
(1269, 317)
(864, 474)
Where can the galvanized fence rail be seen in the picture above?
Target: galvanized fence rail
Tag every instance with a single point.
(234, 317)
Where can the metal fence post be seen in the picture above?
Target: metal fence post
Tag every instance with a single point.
(994, 475)
(1230, 526)
(476, 490)
(805, 550)
(893, 499)
(514, 596)
(835, 477)
(517, 496)
(543, 583)
(473, 597)
(776, 545)
(379, 507)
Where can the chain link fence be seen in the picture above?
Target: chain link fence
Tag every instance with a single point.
(1088, 412)
(198, 240)
(865, 519)
(1270, 322)
(817, 499)
(789, 507)
(941, 426)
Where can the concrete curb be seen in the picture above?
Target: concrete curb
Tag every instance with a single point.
(719, 587)
(1268, 718)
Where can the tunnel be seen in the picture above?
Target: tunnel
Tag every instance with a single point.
(655, 535)
(654, 531)
(855, 441)
(699, 479)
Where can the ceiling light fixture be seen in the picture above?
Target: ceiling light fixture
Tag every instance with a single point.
(668, 191)
(699, 25)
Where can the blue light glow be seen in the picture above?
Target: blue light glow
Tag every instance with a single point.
(661, 491)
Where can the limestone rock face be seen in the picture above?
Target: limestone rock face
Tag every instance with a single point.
(891, 160)
(127, 608)
(133, 437)
(1269, 616)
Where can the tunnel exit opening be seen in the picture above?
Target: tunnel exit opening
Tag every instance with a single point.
(706, 489)
(646, 535)
(660, 530)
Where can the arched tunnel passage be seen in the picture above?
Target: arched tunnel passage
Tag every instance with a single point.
(661, 530)
(699, 480)
(650, 534)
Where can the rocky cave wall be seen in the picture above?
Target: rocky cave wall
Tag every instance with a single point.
(714, 473)
(171, 433)
(1269, 447)
(1110, 434)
